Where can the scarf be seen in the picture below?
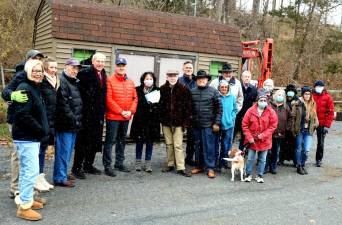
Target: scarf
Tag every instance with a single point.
(53, 80)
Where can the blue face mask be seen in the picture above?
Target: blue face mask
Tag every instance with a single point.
(262, 105)
(290, 94)
(279, 98)
(319, 89)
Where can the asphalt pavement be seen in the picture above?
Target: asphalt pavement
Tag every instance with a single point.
(159, 198)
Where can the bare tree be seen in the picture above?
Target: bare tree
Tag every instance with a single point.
(256, 7)
(219, 10)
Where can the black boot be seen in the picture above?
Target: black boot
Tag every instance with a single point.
(300, 170)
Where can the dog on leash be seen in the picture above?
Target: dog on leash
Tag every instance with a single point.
(238, 162)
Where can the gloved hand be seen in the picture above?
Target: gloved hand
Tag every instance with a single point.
(19, 96)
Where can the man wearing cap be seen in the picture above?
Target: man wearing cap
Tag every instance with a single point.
(206, 121)
(175, 113)
(68, 121)
(93, 89)
(325, 114)
(10, 94)
(235, 85)
(121, 103)
(189, 82)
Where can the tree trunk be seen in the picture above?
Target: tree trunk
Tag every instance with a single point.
(274, 4)
(256, 7)
(219, 10)
(229, 10)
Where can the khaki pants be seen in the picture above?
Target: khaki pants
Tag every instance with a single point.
(14, 171)
(174, 146)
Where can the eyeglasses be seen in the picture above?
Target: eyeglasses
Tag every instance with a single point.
(37, 71)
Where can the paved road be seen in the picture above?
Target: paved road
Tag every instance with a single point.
(141, 198)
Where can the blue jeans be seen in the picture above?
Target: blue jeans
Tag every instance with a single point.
(29, 168)
(226, 144)
(65, 142)
(303, 145)
(115, 134)
(206, 146)
(261, 161)
(139, 149)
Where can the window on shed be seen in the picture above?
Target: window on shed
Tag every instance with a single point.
(83, 55)
(215, 66)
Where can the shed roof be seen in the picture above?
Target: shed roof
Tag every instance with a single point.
(86, 21)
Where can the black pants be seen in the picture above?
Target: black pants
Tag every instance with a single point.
(321, 132)
(190, 144)
(287, 148)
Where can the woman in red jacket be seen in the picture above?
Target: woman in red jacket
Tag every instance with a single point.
(258, 125)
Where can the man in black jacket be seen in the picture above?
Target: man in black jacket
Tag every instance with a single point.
(249, 97)
(206, 120)
(92, 86)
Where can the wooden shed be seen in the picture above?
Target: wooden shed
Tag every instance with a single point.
(149, 40)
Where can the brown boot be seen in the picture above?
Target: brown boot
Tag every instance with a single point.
(28, 214)
(37, 205)
(40, 200)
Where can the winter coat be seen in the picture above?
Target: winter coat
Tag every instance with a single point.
(121, 96)
(229, 111)
(206, 107)
(189, 83)
(175, 105)
(69, 105)
(146, 124)
(298, 112)
(284, 115)
(254, 125)
(235, 89)
(49, 94)
(18, 78)
(325, 108)
(29, 119)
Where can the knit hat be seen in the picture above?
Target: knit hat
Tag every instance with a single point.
(261, 93)
(319, 83)
(291, 87)
(305, 89)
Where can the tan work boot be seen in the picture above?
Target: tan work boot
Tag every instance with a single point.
(37, 205)
(28, 214)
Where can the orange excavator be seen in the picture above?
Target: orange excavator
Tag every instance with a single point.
(258, 56)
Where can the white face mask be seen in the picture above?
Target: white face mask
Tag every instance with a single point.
(148, 83)
(319, 89)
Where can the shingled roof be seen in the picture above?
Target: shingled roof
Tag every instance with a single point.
(86, 21)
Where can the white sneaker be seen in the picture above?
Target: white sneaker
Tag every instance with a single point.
(259, 179)
(40, 186)
(248, 178)
(44, 181)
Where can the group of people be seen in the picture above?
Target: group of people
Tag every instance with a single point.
(68, 110)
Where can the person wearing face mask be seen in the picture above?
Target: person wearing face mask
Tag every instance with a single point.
(258, 125)
(121, 103)
(305, 122)
(325, 113)
(68, 121)
(268, 86)
(30, 126)
(93, 89)
(288, 147)
(279, 105)
(145, 127)
(190, 83)
(175, 114)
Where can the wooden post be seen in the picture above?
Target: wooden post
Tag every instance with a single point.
(2, 76)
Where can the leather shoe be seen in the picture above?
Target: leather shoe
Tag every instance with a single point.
(211, 174)
(122, 169)
(197, 170)
(92, 170)
(67, 183)
(79, 174)
(183, 173)
(168, 169)
(110, 172)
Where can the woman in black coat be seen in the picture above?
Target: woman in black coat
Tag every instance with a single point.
(145, 126)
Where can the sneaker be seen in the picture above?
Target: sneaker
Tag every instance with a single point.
(92, 170)
(300, 170)
(110, 172)
(259, 179)
(122, 169)
(138, 165)
(40, 186)
(79, 174)
(183, 173)
(248, 178)
(148, 166)
(44, 181)
(318, 163)
(168, 169)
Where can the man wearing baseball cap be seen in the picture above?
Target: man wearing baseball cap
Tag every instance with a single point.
(325, 114)
(121, 103)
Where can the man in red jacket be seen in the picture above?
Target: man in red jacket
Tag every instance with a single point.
(121, 103)
(325, 113)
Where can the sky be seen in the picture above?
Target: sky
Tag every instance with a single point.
(334, 16)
